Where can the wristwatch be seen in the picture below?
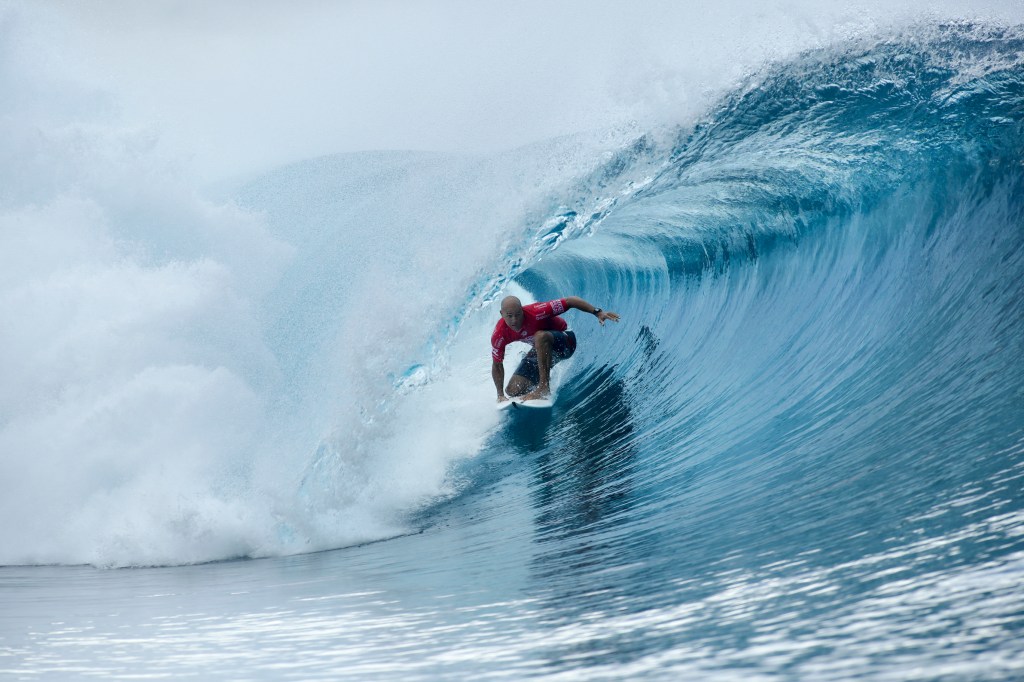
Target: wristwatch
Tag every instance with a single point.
(596, 311)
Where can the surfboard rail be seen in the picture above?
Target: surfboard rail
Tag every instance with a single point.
(516, 403)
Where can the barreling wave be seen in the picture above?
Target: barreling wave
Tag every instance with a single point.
(809, 428)
(831, 211)
(800, 455)
(820, 361)
(820, 284)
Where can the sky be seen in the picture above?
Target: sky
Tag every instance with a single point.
(236, 86)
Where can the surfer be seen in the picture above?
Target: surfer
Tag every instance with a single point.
(539, 325)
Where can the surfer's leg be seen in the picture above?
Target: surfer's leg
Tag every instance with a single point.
(525, 377)
(542, 343)
(517, 386)
(555, 346)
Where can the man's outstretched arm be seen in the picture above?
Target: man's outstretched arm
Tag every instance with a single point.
(579, 304)
(498, 374)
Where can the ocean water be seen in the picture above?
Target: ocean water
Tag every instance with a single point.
(247, 432)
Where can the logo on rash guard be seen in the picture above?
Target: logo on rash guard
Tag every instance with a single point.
(557, 307)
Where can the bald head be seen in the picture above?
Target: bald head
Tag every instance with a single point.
(511, 303)
(512, 312)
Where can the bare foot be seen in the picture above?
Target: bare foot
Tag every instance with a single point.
(537, 394)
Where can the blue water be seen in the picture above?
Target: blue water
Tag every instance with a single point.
(799, 456)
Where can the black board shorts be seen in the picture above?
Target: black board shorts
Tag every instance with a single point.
(563, 345)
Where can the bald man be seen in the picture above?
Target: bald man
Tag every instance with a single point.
(539, 325)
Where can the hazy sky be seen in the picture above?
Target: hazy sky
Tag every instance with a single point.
(238, 85)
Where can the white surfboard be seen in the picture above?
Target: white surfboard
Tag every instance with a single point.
(517, 403)
(539, 404)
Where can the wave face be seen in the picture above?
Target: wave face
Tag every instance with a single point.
(807, 434)
(801, 451)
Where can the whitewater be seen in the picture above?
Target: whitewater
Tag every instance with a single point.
(247, 426)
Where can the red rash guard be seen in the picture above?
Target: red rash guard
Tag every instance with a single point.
(536, 317)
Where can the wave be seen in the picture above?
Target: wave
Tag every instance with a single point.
(821, 287)
(820, 284)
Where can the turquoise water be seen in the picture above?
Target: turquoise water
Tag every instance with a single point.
(799, 456)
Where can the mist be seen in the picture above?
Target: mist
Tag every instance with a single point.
(233, 86)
